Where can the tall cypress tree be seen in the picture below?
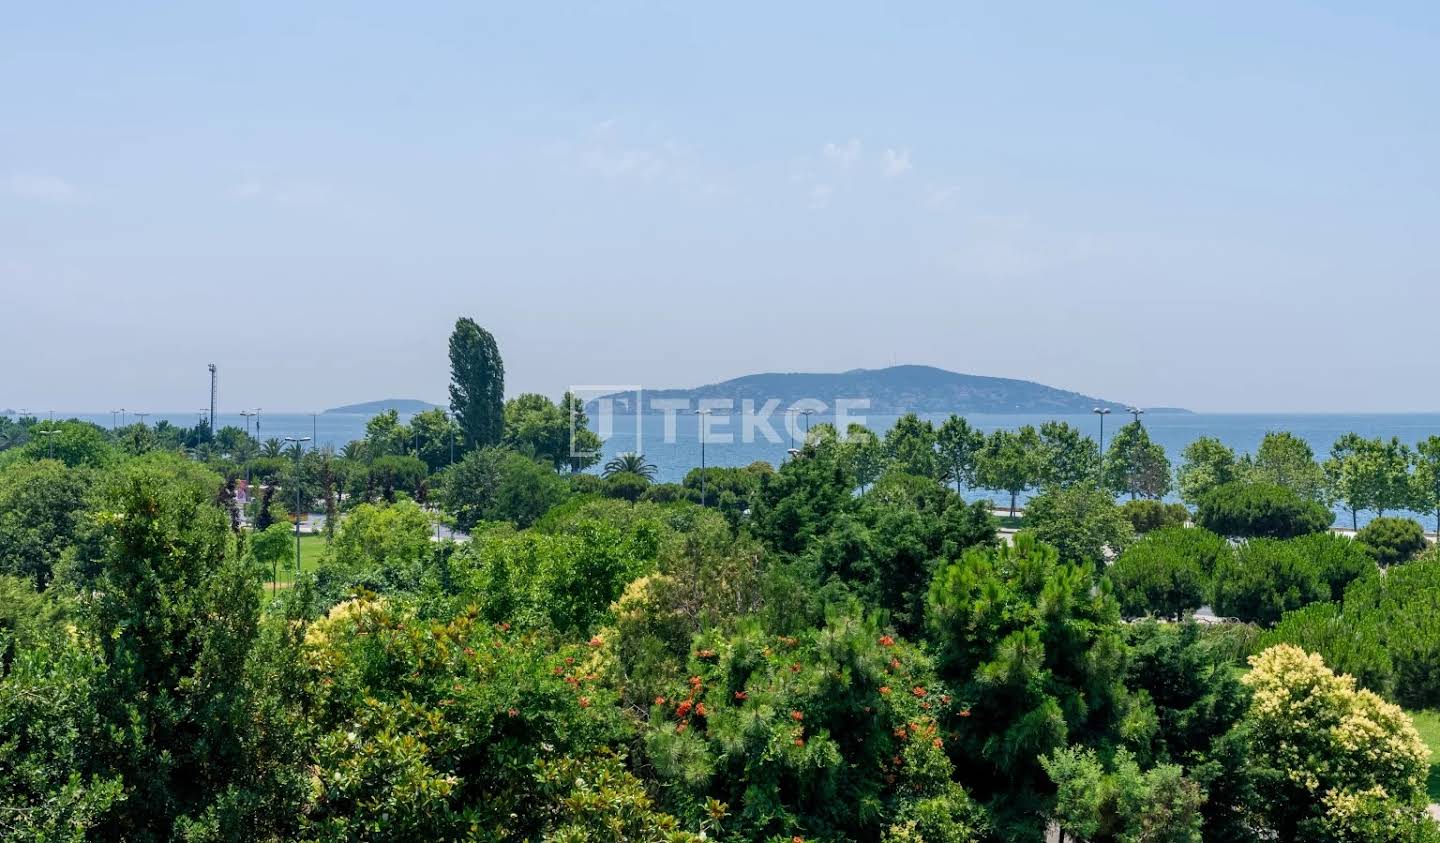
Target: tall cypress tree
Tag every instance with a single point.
(477, 384)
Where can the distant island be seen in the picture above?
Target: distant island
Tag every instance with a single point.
(370, 408)
(900, 389)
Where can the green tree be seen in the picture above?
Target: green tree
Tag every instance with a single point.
(630, 463)
(537, 426)
(74, 443)
(385, 436)
(41, 504)
(432, 434)
(1206, 463)
(1426, 478)
(585, 443)
(1081, 522)
(1264, 579)
(1120, 802)
(1135, 465)
(959, 445)
(1369, 474)
(1284, 459)
(1011, 461)
(477, 384)
(525, 490)
(863, 454)
(176, 615)
(1243, 510)
(910, 447)
(1168, 572)
(1068, 457)
(1392, 541)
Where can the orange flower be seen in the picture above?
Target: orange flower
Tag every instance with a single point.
(700, 710)
(683, 709)
(584, 702)
(659, 700)
(795, 668)
(797, 839)
(741, 695)
(797, 716)
(918, 691)
(680, 730)
(965, 713)
(514, 712)
(706, 654)
(799, 741)
(938, 743)
(695, 681)
(597, 641)
(945, 698)
(887, 641)
(558, 670)
(885, 690)
(894, 664)
(569, 659)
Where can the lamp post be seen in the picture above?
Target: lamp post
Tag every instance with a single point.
(807, 413)
(704, 416)
(246, 414)
(1136, 412)
(49, 435)
(113, 414)
(141, 417)
(298, 440)
(1102, 412)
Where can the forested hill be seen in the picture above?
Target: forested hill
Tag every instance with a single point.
(370, 408)
(898, 389)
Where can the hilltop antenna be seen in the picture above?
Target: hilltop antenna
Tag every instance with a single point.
(212, 398)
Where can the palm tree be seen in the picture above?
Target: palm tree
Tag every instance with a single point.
(272, 448)
(632, 463)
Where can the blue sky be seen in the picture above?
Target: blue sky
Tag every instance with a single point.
(1226, 206)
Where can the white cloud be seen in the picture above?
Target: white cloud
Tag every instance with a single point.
(896, 162)
(843, 155)
(43, 188)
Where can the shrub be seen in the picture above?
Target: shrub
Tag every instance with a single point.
(1168, 572)
(1146, 515)
(1340, 560)
(1264, 579)
(1317, 745)
(1386, 633)
(586, 484)
(1245, 510)
(625, 485)
(823, 734)
(668, 493)
(1392, 540)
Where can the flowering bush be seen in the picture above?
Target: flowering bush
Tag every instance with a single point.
(806, 735)
(429, 729)
(1321, 750)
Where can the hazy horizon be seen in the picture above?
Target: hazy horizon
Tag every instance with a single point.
(1227, 208)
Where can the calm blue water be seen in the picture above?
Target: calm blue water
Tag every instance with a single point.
(1241, 431)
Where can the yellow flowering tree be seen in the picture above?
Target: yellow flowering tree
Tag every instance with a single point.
(1320, 749)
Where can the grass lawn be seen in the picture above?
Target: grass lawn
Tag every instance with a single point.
(312, 547)
(1428, 722)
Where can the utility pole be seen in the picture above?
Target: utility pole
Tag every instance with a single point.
(212, 399)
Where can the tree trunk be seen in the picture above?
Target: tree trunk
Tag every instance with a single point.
(1012, 504)
(1355, 520)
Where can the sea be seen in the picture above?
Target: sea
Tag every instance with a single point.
(675, 454)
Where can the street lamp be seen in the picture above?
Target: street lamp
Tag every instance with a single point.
(141, 417)
(298, 440)
(49, 435)
(1136, 412)
(1102, 412)
(704, 416)
(807, 413)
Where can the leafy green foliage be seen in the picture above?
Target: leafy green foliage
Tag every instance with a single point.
(1011, 462)
(1386, 633)
(1135, 465)
(1264, 579)
(1339, 560)
(477, 384)
(40, 506)
(1206, 463)
(1392, 541)
(1168, 572)
(1146, 515)
(1119, 801)
(1244, 510)
(820, 735)
(1081, 522)
(1037, 661)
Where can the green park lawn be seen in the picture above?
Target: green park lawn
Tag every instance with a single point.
(1428, 722)
(312, 548)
